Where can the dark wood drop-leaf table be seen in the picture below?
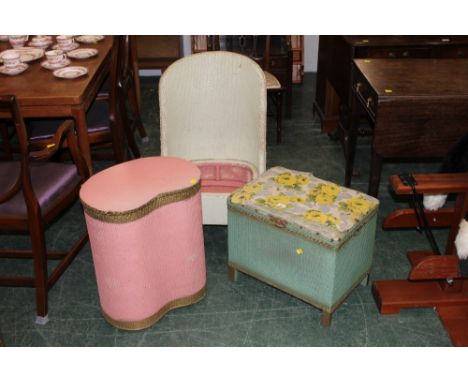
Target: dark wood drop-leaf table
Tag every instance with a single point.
(418, 108)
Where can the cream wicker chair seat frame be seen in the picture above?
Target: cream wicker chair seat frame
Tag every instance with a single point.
(213, 112)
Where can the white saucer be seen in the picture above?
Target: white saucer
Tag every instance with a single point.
(42, 45)
(83, 53)
(47, 65)
(26, 54)
(13, 71)
(89, 39)
(70, 72)
(68, 49)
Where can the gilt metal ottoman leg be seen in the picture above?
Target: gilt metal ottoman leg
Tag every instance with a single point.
(232, 273)
(365, 280)
(326, 318)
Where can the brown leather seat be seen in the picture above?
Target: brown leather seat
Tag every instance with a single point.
(50, 181)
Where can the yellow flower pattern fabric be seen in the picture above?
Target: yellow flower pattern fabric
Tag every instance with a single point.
(309, 202)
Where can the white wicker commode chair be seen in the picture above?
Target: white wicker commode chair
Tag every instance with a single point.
(213, 112)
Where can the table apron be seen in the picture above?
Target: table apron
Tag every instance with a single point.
(419, 129)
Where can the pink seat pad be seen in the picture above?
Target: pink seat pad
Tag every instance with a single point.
(223, 177)
(130, 185)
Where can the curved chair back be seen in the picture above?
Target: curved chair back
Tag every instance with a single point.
(33, 193)
(213, 108)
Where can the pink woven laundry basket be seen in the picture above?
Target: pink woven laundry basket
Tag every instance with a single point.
(145, 228)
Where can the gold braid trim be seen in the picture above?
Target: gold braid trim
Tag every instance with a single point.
(147, 322)
(145, 209)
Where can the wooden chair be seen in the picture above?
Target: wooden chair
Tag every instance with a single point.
(434, 281)
(6, 149)
(33, 193)
(107, 119)
(259, 49)
(129, 82)
(213, 112)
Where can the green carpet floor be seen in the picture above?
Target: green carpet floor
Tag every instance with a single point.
(248, 312)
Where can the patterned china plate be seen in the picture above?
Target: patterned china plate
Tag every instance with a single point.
(13, 71)
(89, 39)
(26, 54)
(42, 45)
(82, 54)
(47, 65)
(68, 49)
(70, 72)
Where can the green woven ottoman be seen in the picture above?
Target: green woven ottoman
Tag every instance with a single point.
(303, 235)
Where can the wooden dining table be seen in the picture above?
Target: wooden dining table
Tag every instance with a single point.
(41, 95)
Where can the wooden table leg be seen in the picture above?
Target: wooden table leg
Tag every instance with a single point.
(232, 273)
(331, 110)
(325, 319)
(375, 172)
(81, 127)
(289, 102)
(279, 115)
(350, 138)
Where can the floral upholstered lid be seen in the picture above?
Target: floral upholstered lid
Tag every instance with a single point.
(305, 204)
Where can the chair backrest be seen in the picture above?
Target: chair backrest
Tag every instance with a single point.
(11, 185)
(121, 75)
(9, 107)
(257, 47)
(213, 107)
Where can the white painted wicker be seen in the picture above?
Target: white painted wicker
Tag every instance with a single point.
(213, 108)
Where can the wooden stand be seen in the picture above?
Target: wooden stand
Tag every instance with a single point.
(427, 285)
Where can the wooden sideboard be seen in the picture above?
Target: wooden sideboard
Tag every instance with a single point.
(158, 52)
(333, 89)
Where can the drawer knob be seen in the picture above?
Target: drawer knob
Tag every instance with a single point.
(273, 63)
(405, 53)
(391, 54)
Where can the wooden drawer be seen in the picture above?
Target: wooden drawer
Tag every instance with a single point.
(450, 52)
(158, 52)
(393, 52)
(297, 55)
(281, 75)
(278, 63)
(365, 94)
